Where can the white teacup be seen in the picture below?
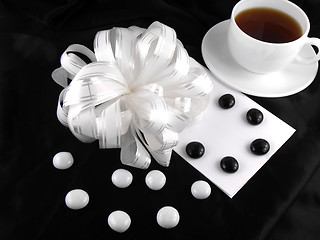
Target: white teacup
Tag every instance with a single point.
(265, 57)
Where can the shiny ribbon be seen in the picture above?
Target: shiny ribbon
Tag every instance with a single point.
(138, 91)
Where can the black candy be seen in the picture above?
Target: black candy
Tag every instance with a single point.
(226, 101)
(259, 146)
(195, 149)
(254, 116)
(229, 164)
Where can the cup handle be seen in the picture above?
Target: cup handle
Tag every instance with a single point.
(309, 60)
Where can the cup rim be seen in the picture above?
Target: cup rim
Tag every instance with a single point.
(305, 33)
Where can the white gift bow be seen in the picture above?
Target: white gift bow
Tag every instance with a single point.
(138, 92)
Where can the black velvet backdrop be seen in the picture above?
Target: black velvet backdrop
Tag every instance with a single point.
(282, 201)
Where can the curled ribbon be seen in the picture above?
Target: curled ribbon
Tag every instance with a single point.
(138, 91)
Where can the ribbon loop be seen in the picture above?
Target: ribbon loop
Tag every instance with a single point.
(71, 64)
(138, 92)
(133, 153)
(110, 129)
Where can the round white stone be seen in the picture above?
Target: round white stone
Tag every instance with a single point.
(121, 178)
(155, 180)
(200, 189)
(119, 221)
(77, 199)
(62, 160)
(168, 217)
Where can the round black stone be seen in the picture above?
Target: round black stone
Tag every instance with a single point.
(259, 146)
(227, 101)
(229, 164)
(195, 149)
(254, 116)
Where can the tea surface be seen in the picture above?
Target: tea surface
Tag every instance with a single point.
(269, 25)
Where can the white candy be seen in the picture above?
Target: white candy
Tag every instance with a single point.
(62, 160)
(155, 180)
(168, 217)
(121, 178)
(200, 189)
(119, 221)
(77, 199)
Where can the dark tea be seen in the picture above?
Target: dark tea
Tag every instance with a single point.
(269, 25)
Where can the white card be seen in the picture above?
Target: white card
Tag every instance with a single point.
(226, 132)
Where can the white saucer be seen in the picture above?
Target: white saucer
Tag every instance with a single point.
(294, 78)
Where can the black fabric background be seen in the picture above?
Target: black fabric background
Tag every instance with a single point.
(282, 201)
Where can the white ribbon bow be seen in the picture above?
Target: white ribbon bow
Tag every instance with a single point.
(138, 92)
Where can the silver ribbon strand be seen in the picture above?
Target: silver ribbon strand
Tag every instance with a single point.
(138, 92)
